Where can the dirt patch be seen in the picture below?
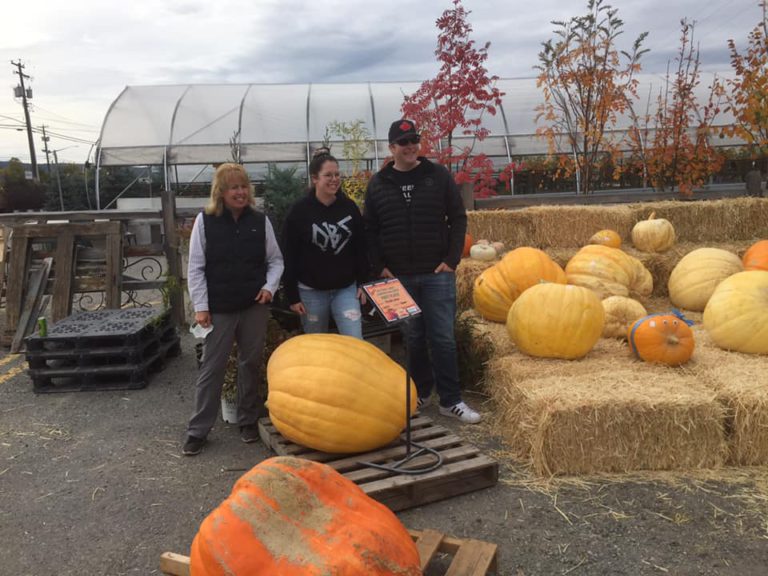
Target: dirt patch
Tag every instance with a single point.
(94, 483)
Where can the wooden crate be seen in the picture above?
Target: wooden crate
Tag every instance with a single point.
(468, 557)
(464, 468)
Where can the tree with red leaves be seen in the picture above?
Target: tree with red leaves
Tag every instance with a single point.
(452, 104)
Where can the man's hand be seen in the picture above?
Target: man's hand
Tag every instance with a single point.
(264, 296)
(443, 268)
(203, 318)
(298, 308)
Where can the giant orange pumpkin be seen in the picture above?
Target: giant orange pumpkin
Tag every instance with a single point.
(662, 338)
(294, 517)
(756, 257)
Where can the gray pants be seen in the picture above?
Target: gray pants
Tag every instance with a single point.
(248, 328)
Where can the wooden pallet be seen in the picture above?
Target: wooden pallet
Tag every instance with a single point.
(464, 468)
(469, 557)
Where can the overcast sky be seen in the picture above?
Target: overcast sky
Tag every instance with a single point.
(82, 53)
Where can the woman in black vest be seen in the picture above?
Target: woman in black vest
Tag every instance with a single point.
(235, 266)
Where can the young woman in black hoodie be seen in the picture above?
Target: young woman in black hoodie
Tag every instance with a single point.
(325, 253)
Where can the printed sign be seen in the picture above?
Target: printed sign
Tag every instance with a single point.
(391, 299)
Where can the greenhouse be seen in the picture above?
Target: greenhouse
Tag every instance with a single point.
(198, 125)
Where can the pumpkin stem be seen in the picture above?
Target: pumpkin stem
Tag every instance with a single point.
(652, 216)
(673, 340)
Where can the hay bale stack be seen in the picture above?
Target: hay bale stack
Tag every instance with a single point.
(491, 336)
(711, 221)
(740, 382)
(611, 421)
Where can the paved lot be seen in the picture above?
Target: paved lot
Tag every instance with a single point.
(94, 483)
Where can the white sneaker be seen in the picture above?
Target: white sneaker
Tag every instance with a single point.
(424, 402)
(462, 412)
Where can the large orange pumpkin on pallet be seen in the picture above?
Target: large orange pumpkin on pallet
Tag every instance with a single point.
(295, 517)
(336, 393)
(756, 257)
(662, 339)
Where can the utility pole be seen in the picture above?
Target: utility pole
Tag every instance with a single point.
(23, 90)
(46, 139)
(58, 179)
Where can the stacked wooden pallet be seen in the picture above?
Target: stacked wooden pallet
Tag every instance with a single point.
(102, 350)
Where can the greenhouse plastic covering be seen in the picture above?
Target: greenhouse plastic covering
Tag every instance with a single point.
(200, 124)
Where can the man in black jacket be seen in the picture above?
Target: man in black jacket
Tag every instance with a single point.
(415, 225)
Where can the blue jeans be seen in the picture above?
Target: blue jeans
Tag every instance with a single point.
(321, 304)
(430, 338)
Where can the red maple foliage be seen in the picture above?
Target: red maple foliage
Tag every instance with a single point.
(449, 108)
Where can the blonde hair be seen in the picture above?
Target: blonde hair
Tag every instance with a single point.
(226, 175)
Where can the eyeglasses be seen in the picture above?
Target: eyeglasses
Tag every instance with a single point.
(330, 175)
(406, 141)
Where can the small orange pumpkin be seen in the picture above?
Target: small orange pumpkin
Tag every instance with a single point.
(468, 242)
(756, 257)
(294, 517)
(662, 338)
(606, 238)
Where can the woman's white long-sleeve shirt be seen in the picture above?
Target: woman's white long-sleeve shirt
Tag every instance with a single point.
(196, 282)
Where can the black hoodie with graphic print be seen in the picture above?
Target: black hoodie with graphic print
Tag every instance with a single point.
(323, 246)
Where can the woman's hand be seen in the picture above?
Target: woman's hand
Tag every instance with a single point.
(361, 296)
(203, 318)
(264, 296)
(298, 308)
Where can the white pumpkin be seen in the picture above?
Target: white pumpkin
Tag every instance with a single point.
(482, 252)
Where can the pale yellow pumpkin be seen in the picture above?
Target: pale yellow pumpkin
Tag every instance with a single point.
(606, 238)
(556, 321)
(695, 277)
(736, 315)
(620, 314)
(494, 291)
(336, 393)
(653, 235)
(609, 272)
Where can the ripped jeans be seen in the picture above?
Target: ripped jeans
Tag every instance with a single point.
(321, 304)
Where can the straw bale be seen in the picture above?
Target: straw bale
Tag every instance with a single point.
(490, 333)
(710, 221)
(610, 421)
(466, 272)
(512, 227)
(741, 384)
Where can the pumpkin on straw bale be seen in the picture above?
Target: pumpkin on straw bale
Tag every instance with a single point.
(609, 420)
(609, 272)
(653, 234)
(756, 257)
(695, 277)
(662, 338)
(336, 393)
(498, 287)
(295, 517)
(609, 238)
(468, 242)
(556, 321)
(620, 314)
(736, 315)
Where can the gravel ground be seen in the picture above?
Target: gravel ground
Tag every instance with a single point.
(94, 483)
